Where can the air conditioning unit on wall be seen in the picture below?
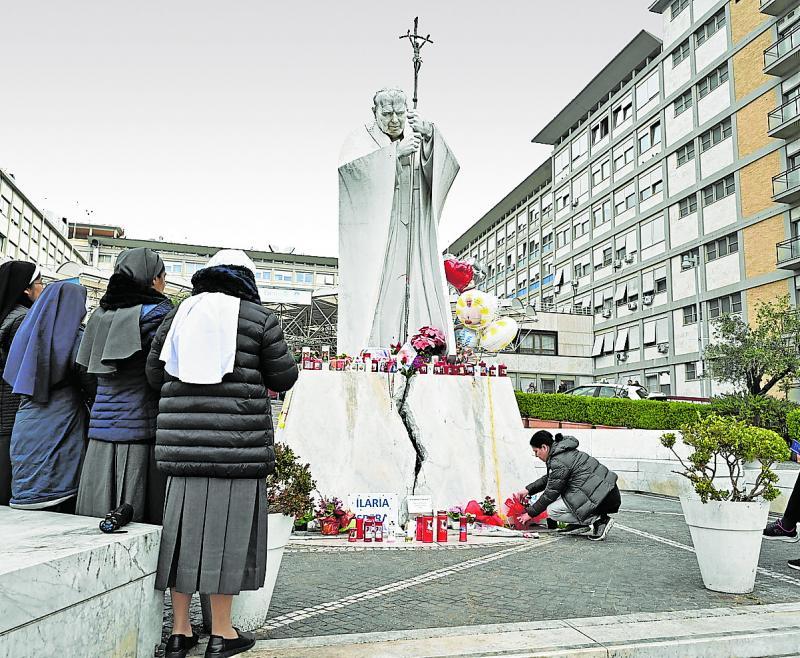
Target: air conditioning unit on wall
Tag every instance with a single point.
(647, 300)
(622, 356)
(632, 306)
(606, 313)
(663, 348)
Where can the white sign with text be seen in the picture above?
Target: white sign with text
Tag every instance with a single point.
(383, 506)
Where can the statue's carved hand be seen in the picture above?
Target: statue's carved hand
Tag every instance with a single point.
(408, 146)
(419, 126)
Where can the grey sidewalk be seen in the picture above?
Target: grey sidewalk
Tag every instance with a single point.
(645, 567)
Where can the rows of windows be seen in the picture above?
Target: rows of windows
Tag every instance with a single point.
(710, 27)
(712, 81)
(187, 268)
(715, 135)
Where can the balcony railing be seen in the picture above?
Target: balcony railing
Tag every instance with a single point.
(784, 114)
(786, 185)
(777, 59)
(789, 252)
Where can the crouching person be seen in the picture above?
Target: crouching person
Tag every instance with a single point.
(577, 489)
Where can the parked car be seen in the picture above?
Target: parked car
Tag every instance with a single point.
(602, 390)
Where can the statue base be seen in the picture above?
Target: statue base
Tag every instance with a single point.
(469, 431)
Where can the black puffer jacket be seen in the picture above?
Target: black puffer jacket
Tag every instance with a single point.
(9, 402)
(578, 478)
(223, 430)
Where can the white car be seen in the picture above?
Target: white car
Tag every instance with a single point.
(603, 390)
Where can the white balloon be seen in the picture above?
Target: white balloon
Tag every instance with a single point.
(499, 334)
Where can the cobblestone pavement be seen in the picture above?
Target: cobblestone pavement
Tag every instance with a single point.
(643, 566)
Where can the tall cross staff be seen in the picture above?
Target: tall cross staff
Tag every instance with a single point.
(417, 42)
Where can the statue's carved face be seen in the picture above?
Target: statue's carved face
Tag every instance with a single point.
(390, 114)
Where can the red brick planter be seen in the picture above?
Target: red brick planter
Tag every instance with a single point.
(536, 423)
(575, 426)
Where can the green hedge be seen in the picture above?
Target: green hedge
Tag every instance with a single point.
(793, 424)
(758, 410)
(638, 414)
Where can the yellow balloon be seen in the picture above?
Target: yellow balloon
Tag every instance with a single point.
(499, 334)
(476, 309)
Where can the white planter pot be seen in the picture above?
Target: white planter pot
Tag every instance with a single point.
(727, 541)
(249, 609)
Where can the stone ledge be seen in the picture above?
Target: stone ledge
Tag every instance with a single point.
(68, 589)
(746, 631)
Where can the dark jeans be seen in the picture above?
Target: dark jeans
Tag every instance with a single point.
(611, 503)
(792, 514)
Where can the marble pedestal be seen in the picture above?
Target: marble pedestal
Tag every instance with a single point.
(346, 425)
(66, 589)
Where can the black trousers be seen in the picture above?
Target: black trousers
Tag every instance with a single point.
(611, 503)
(792, 514)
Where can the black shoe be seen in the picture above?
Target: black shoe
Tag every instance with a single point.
(179, 645)
(551, 525)
(775, 530)
(600, 528)
(794, 564)
(573, 529)
(219, 647)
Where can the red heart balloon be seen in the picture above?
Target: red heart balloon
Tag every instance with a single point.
(458, 273)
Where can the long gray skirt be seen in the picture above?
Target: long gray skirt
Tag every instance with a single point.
(116, 473)
(214, 539)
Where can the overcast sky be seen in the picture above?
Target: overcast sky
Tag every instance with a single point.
(220, 123)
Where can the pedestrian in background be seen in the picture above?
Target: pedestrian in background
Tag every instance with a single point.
(49, 437)
(785, 528)
(120, 464)
(20, 285)
(213, 360)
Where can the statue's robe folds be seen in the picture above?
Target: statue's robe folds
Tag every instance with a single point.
(374, 218)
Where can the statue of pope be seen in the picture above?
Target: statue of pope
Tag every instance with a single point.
(375, 198)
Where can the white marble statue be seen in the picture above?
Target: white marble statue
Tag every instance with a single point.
(374, 213)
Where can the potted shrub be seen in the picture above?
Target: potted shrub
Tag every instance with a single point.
(726, 518)
(289, 497)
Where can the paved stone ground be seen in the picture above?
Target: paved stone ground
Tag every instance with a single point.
(555, 577)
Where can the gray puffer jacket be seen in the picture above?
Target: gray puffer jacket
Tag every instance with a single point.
(578, 478)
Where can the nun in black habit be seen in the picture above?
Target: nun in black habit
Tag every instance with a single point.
(119, 465)
(49, 434)
(20, 285)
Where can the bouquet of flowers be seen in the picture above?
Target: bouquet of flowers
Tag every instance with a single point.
(455, 513)
(489, 506)
(429, 342)
(332, 515)
(485, 512)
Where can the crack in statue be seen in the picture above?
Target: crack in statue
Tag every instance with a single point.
(412, 429)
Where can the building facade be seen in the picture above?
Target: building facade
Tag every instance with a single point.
(26, 233)
(301, 289)
(670, 194)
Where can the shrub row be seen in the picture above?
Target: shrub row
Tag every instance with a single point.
(635, 414)
(757, 410)
(793, 424)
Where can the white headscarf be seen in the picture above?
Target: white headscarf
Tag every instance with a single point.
(200, 347)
